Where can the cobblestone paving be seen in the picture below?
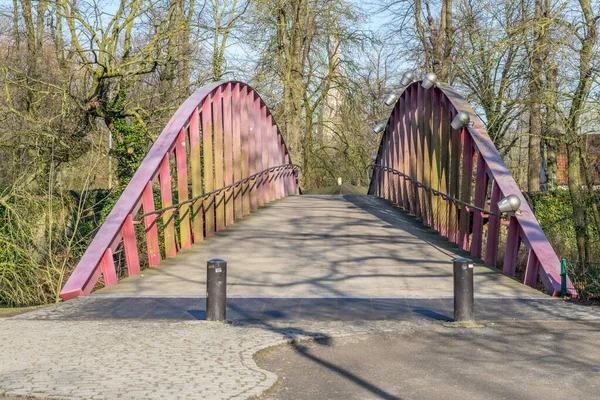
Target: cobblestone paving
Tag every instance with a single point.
(132, 359)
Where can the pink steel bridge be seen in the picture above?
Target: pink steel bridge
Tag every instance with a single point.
(227, 157)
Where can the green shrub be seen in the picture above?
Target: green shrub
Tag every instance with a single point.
(554, 212)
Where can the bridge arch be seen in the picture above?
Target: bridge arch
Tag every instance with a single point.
(220, 156)
(446, 177)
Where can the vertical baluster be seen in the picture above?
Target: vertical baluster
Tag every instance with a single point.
(481, 184)
(531, 271)
(264, 150)
(413, 149)
(404, 127)
(491, 253)
(228, 148)
(289, 178)
(455, 152)
(427, 154)
(185, 233)
(513, 240)
(445, 167)
(252, 100)
(272, 158)
(150, 226)
(419, 148)
(196, 171)
(166, 193)
(258, 138)
(384, 162)
(246, 139)
(284, 173)
(267, 157)
(107, 268)
(398, 155)
(435, 157)
(275, 183)
(237, 151)
(280, 161)
(219, 158)
(377, 177)
(207, 144)
(130, 245)
(390, 157)
(466, 188)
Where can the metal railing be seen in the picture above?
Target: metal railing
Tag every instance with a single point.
(193, 200)
(469, 206)
(222, 136)
(446, 176)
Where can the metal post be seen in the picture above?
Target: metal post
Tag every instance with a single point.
(216, 290)
(463, 290)
(563, 277)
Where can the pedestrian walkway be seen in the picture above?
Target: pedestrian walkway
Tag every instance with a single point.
(321, 246)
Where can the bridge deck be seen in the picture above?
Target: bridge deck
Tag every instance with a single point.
(321, 246)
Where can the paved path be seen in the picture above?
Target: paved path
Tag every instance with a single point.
(321, 246)
(530, 361)
(316, 309)
(304, 267)
(137, 359)
(112, 359)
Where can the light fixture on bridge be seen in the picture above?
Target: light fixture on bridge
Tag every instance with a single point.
(510, 203)
(461, 120)
(429, 81)
(379, 127)
(391, 99)
(407, 78)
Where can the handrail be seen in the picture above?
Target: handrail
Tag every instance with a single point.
(444, 196)
(177, 206)
(224, 131)
(419, 142)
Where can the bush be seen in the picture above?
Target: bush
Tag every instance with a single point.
(554, 212)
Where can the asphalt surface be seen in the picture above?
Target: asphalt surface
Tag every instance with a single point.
(533, 360)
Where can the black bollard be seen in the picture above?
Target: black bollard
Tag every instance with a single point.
(463, 290)
(216, 289)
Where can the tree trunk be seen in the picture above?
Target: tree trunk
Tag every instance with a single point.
(579, 194)
(535, 110)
